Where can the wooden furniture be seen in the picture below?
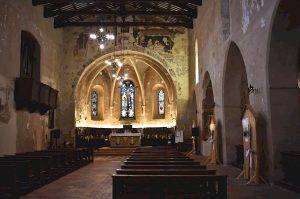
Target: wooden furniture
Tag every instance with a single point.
(24, 172)
(34, 96)
(166, 172)
(164, 186)
(252, 147)
(163, 166)
(154, 172)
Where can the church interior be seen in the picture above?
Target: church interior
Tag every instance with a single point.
(150, 99)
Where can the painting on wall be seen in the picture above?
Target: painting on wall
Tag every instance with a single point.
(157, 42)
(161, 40)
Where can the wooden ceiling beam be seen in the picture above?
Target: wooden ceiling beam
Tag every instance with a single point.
(50, 8)
(182, 17)
(182, 6)
(58, 24)
(122, 13)
(42, 2)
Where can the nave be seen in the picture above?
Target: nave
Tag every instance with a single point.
(95, 181)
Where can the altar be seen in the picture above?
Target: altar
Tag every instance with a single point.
(126, 139)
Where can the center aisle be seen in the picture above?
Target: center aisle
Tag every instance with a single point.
(93, 182)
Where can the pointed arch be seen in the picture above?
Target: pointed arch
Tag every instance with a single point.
(112, 111)
(235, 97)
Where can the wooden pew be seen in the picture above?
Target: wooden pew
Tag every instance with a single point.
(161, 163)
(161, 156)
(158, 154)
(22, 172)
(159, 159)
(163, 166)
(8, 181)
(36, 164)
(169, 186)
(166, 171)
(60, 164)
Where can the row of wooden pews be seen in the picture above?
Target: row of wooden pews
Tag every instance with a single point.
(24, 172)
(164, 173)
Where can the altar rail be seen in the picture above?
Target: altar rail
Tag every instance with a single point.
(100, 137)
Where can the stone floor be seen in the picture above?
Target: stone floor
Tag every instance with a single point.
(94, 182)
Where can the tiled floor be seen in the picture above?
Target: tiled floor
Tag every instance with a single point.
(94, 182)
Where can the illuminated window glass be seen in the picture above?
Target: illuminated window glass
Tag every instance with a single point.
(127, 98)
(196, 62)
(94, 104)
(161, 102)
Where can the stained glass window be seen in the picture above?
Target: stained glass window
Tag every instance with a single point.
(161, 102)
(127, 98)
(94, 104)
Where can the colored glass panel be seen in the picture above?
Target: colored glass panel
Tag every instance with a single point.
(127, 98)
(94, 104)
(161, 102)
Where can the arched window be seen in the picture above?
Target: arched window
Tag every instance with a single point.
(161, 102)
(127, 99)
(196, 62)
(94, 103)
(30, 56)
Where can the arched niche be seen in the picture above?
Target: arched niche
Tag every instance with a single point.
(235, 96)
(283, 75)
(208, 105)
(134, 62)
(207, 114)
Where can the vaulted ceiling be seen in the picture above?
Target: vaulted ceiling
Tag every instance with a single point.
(120, 12)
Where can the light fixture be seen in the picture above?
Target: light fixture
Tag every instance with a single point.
(101, 37)
(101, 46)
(117, 62)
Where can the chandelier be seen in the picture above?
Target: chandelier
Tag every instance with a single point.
(101, 37)
(114, 62)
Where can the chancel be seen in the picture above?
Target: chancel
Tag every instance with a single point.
(150, 99)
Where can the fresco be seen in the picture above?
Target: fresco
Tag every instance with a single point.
(156, 42)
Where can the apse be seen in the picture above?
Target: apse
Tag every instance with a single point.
(138, 92)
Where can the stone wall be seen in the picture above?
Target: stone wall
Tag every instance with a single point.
(20, 130)
(248, 25)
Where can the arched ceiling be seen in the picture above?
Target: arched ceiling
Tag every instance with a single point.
(136, 62)
(120, 12)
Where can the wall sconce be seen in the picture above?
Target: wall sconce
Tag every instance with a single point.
(251, 89)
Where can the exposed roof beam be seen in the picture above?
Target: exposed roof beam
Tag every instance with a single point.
(182, 6)
(40, 2)
(58, 24)
(49, 8)
(156, 7)
(94, 12)
(66, 17)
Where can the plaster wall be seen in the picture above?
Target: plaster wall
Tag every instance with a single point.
(20, 130)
